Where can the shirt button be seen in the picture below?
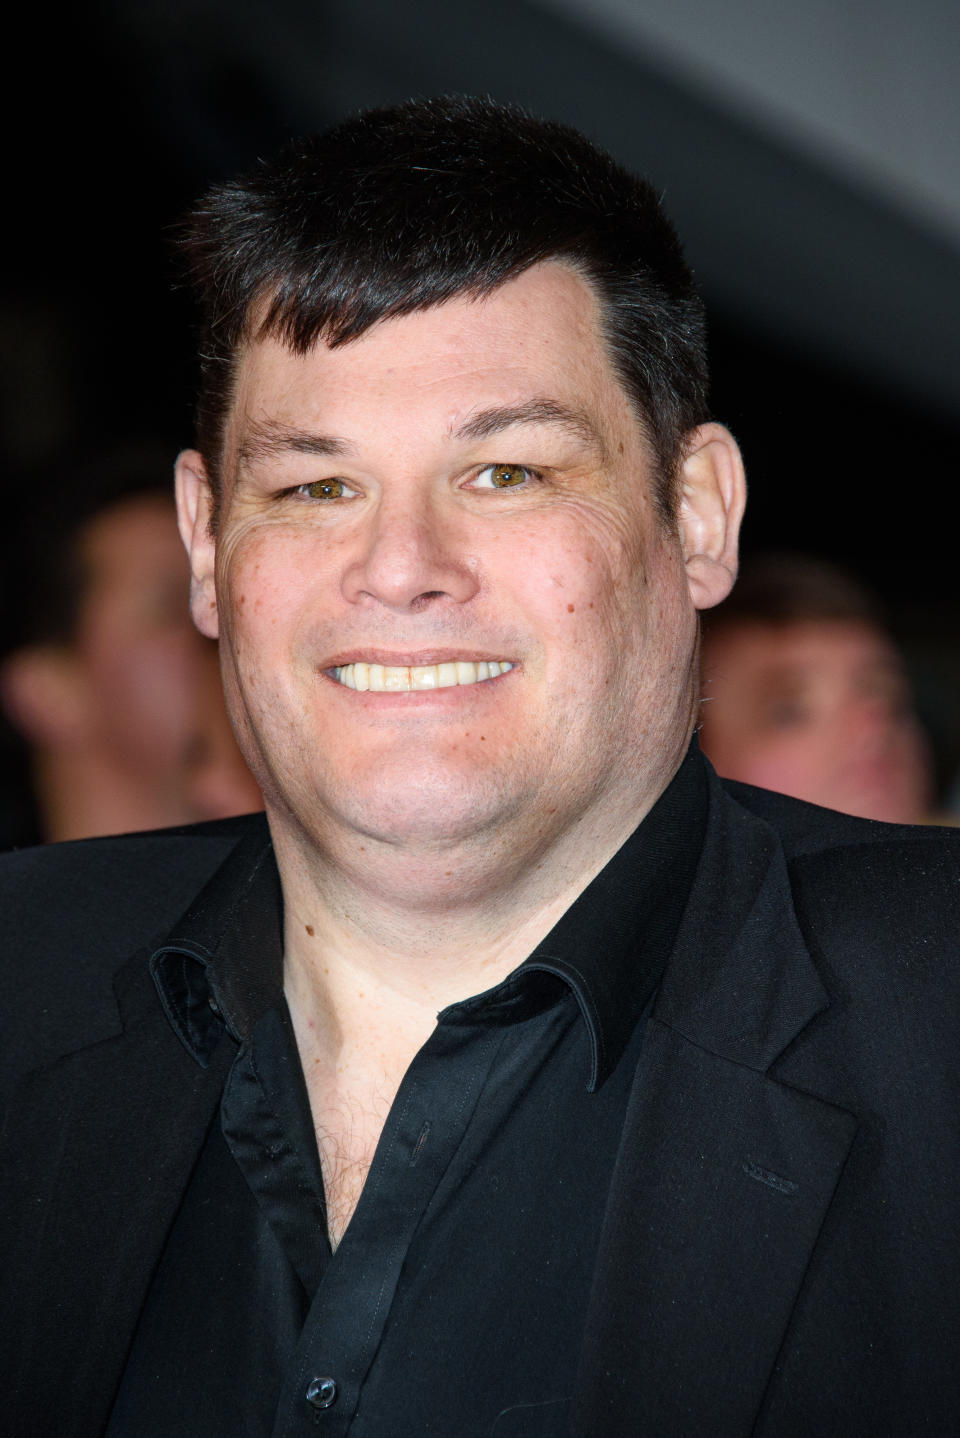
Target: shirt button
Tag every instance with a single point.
(322, 1392)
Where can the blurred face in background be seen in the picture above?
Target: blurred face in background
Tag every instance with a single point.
(818, 710)
(149, 684)
(123, 712)
(133, 647)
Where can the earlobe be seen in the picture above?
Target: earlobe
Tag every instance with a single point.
(713, 492)
(194, 510)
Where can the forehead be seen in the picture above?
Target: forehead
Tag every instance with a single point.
(136, 532)
(539, 336)
(133, 558)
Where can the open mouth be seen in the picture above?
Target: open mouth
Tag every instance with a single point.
(398, 678)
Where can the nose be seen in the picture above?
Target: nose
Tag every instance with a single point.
(410, 556)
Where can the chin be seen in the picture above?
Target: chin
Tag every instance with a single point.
(422, 810)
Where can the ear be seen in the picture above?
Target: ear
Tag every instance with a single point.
(45, 697)
(713, 492)
(194, 512)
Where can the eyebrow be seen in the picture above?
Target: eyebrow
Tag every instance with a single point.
(263, 439)
(489, 422)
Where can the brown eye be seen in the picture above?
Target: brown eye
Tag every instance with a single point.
(504, 476)
(326, 489)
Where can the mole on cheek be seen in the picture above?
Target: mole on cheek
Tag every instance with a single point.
(571, 609)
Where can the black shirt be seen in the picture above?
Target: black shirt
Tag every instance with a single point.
(456, 1301)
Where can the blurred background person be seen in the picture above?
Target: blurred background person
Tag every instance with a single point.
(105, 679)
(805, 692)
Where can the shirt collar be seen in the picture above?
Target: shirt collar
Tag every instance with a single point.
(222, 965)
(612, 945)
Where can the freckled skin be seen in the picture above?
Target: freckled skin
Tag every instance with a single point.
(419, 556)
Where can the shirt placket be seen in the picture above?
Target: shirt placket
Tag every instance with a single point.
(351, 1308)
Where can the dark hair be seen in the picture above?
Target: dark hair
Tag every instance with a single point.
(45, 571)
(782, 589)
(402, 208)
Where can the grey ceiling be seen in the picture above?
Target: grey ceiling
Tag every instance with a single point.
(782, 240)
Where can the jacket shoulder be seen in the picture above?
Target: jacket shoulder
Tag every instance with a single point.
(893, 878)
(806, 829)
(75, 913)
(878, 905)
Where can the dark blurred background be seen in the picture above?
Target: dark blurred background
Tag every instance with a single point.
(807, 153)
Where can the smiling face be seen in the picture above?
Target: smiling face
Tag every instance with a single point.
(448, 612)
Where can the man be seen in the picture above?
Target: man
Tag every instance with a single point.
(674, 1158)
(806, 693)
(108, 682)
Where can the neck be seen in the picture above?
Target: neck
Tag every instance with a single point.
(404, 931)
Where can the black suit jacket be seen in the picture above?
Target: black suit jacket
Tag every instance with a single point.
(779, 1254)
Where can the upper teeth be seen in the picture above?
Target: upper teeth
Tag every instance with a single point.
(396, 677)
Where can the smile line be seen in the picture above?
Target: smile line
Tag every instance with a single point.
(400, 678)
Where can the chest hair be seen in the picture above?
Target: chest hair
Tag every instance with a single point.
(348, 1129)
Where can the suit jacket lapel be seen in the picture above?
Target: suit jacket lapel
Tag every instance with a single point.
(724, 1174)
(99, 1182)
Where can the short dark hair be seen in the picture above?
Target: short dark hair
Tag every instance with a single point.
(401, 208)
(781, 589)
(45, 576)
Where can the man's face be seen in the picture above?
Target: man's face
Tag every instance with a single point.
(460, 487)
(817, 710)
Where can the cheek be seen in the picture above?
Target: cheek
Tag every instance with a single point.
(263, 578)
(251, 600)
(580, 573)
